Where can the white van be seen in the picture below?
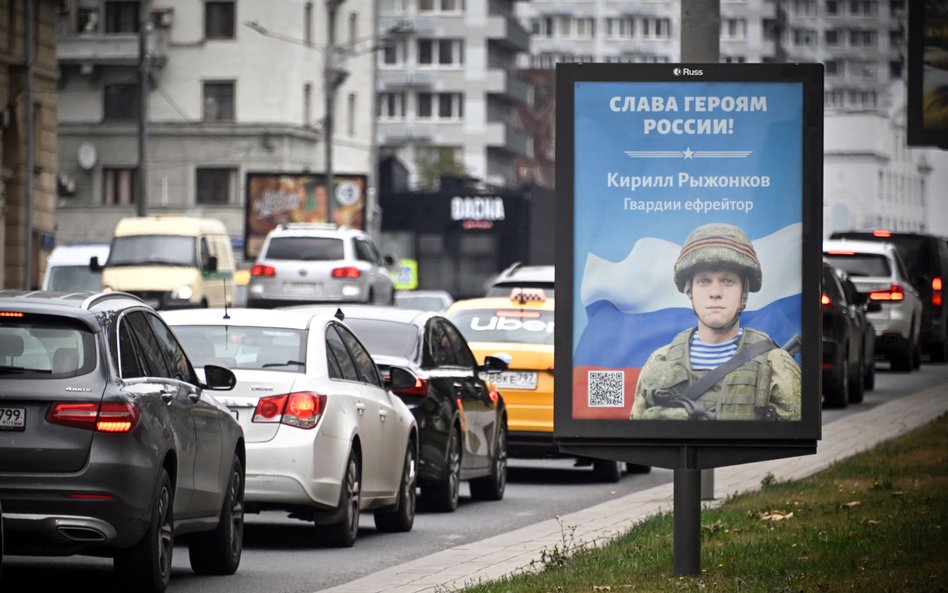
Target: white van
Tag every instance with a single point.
(67, 269)
(171, 262)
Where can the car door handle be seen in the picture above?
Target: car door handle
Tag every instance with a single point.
(383, 415)
(458, 388)
(360, 408)
(167, 394)
(194, 396)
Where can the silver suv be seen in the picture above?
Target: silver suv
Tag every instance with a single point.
(521, 276)
(319, 263)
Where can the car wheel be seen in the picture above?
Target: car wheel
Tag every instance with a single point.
(443, 494)
(146, 566)
(606, 470)
(836, 396)
(916, 356)
(856, 388)
(343, 534)
(635, 468)
(218, 551)
(901, 356)
(492, 487)
(938, 351)
(403, 517)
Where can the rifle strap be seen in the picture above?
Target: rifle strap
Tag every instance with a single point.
(747, 352)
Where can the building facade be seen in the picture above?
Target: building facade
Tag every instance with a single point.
(237, 87)
(28, 169)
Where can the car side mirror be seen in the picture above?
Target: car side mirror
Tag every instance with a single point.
(492, 364)
(400, 378)
(211, 265)
(389, 260)
(217, 378)
(860, 298)
(94, 265)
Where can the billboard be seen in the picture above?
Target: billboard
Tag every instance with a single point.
(927, 112)
(689, 200)
(277, 198)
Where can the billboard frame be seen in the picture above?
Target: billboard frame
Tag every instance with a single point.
(706, 444)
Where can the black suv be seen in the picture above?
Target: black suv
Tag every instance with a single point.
(926, 258)
(109, 445)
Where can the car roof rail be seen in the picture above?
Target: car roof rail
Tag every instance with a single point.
(104, 296)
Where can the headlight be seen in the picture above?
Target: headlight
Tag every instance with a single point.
(182, 293)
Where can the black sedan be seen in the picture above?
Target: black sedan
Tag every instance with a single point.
(461, 418)
(848, 340)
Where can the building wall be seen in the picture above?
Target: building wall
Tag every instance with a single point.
(16, 224)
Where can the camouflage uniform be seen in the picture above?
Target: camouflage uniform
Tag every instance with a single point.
(765, 387)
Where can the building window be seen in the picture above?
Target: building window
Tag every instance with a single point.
(308, 23)
(307, 104)
(862, 38)
(353, 28)
(119, 186)
(121, 17)
(351, 114)
(620, 27)
(832, 37)
(440, 52)
(656, 28)
(216, 185)
(586, 28)
(833, 68)
(440, 5)
(895, 69)
(394, 52)
(832, 7)
(391, 106)
(804, 7)
(862, 7)
(219, 19)
(804, 37)
(219, 101)
(392, 7)
(863, 68)
(121, 102)
(440, 106)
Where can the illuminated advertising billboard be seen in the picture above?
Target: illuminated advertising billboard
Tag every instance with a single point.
(927, 112)
(689, 200)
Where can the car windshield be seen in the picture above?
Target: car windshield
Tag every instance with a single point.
(243, 347)
(502, 325)
(71, 278)
(144, 250)
(861, 264)
(305, 248)
(42, 347)
(388, 338)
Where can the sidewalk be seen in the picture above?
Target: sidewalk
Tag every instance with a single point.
(501, 555)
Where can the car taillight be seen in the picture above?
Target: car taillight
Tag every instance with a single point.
(301, 409)
(881, 233)
(346, 272)
(262, 270)
(826, 301)
(420, 388)
(114, 417)
(936, 291)
(895, 293)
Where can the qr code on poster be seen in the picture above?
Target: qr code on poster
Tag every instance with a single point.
(606, 389)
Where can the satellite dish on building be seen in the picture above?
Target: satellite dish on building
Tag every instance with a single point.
(87, 156)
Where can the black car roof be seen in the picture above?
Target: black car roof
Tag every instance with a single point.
(85, 305)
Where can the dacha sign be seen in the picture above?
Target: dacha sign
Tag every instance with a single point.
(477, 212)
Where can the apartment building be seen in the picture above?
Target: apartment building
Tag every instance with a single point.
(237, 90)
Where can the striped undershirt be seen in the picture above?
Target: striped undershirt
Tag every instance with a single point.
(708, 356)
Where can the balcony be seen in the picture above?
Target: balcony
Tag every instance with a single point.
(111, 49)
(420, 26)
(508, 86)
(401, 79)
(508, 32)
(508, 137)
(395, 133)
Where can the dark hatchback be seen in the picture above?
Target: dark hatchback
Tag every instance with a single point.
(109, 445)
(462, 420)
(926, 259)
(848, 340)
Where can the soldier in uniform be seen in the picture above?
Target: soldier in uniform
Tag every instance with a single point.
(718, 370)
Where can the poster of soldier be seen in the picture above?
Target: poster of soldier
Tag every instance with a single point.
(689, 213)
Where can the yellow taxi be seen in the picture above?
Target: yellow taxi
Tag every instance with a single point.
(518, 329)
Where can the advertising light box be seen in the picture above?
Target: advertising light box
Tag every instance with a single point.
(688, 281)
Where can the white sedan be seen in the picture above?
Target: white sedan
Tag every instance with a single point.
(325, 437)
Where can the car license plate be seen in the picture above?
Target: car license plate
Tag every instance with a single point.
(517, 380)
(12, 418)
(302, 288)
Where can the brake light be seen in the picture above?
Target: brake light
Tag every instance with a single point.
(936, 291)
(895, 293)
(262, 270)
(881, 233)
(346, 272)
(301, 409)
(494, 396)
(825, 300)
(936, 283)
(115, 417)
(840, 252)
(10, 314)
(420, 388)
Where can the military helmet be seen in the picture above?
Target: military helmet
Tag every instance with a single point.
(718, 244)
